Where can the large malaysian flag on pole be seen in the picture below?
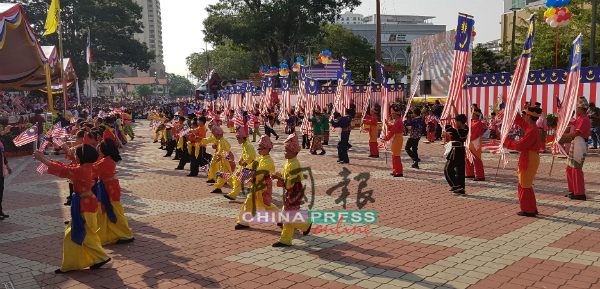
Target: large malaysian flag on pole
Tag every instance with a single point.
(516, 91)
(570, 96)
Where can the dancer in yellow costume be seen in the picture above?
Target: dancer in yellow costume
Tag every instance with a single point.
(214, 164)
(247, 157)
(112, 222)
(291, 177)
(81, 246)
(219, 162)
(261, 185)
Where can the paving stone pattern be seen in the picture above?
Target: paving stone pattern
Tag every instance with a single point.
(425, 237)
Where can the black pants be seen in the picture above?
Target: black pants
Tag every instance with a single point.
(185, 157)
(438, 132)
(194, 161)
(305, 141)
(171, 147)
(343, 146)
(269, 131)
(1, 193)
(412, 149)
(454, 171)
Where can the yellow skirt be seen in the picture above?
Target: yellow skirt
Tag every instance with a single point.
(397, 143)
(76, 257)
(526, 177)
(110, 233)
(260, 206)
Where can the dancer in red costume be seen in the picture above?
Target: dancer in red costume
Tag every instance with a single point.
(475, 168)
(372, 122)
(529, 161)
(395, 135)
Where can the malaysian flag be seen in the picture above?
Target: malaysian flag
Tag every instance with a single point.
(267, 101)
(301, 88)
(88, 50)
(312, 87)
(286, 101)
(570, 96)
(74, 120)
(57, 142)
(517, 88)
(340, 99)
(226, 155)
(51, 130)
(184, 130)
(62, 132)
(42, 169)
(385, 106)
(461, 57)
(415, 86)
(238, 119)
(205, 168)
(27, 136)
(366, 101)
(325, 72)
(558, 103)
(245, 175)
(224, 175)
(43, 145)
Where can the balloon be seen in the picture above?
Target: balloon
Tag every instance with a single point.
(550, 12)
(566, 22)
(454, 37)
(561, 12)
(567, 16)
(559, 18)
(474, 33)
(553, 24)
(548, 20)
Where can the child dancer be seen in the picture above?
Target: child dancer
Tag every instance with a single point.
(247, 157)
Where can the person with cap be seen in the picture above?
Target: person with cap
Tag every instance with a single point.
(255, 122)
(542, 125)
(529, 159)
(394, 134)
(261, 184)
(317, 140)
(412, 144)
(222, 155)
(248, 156)
(475, 169)
(127, 119)
(291, 179)
(493, 125)
(195, 135)
(344, 124)
(372, 122)
(454, 171)
(214, 164)
(431, 121)
(578, 151)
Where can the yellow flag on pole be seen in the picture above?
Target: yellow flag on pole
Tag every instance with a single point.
(52, 18)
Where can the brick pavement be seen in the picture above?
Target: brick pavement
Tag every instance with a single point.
(425, 237)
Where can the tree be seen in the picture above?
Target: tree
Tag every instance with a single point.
(544, 49)
(399, 70)
(229, 61)
(178, 85)
(486, 61)
(112, 24)
(272, 30)
(342, 42)
(144, 90)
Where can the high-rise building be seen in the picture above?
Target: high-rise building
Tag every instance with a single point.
(152, 36)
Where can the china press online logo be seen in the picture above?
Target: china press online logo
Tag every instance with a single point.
(315, 217)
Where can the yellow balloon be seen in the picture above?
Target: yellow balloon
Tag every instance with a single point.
(550, 12)
(566, 9)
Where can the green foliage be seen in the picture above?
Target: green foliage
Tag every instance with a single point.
(486, 61)
(178, 85)
(229, 61)
(144, 90)
(399, 69)
(342, 42)
(544, 48)
(552, 120)
(271, 30)
(112, 24)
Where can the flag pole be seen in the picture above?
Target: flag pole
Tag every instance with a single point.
(552, 165)
(62, 70)
(90, 74)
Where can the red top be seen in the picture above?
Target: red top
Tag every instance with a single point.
(583, 124)
(477, 129)
(398, 127)
(371, 121)
(530, 142)
(82, 179)
(105, 169)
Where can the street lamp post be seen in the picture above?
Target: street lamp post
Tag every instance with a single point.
(512, 50)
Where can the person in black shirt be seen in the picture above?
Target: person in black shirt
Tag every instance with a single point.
(344, 124)
(455, 164)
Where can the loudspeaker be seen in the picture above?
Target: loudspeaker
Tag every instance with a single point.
(425, 87)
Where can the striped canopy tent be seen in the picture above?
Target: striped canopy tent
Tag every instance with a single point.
(25, 64)
(70, 76)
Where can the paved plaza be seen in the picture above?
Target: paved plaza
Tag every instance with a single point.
(425, 237)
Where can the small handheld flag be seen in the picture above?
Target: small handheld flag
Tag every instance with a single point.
(42, 169)
(245, 175)
(26, 137)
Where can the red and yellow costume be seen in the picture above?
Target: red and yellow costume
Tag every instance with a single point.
(577, 154)
(108, 231)
(83, 218)
(529, 161)
(475, 168)
(248, 156)
(431, 121)
(394, 135)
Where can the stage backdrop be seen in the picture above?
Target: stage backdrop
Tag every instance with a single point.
(543, 86)
(438, 61)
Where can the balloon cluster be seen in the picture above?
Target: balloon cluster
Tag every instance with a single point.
(284, 69)
(557, 3)
(325, 57)
(273, 71)
(263, 70)
(296, 65)
(557, 17)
